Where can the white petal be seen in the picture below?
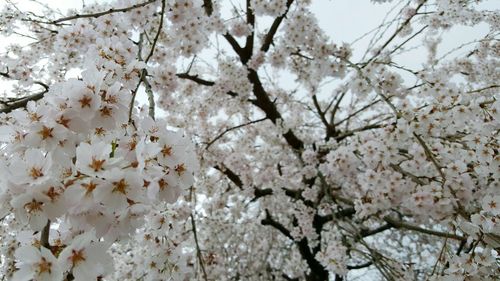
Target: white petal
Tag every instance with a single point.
(38, 220)
(27, 254)
(23, 274)
(85, 272)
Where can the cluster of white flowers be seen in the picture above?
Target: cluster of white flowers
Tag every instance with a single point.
(162, 255)
(83, 162)
(268, 8)
(74, 159)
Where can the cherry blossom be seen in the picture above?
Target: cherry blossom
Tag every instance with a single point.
(87, 259)
(36, 264)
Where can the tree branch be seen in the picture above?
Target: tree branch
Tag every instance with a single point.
(265, 104)
(356, 112)
(198, 250)
(268, 39)
(400, 28)
(160, 26)
(248, 49)
(230, 175)
(351, 132)
(149, 92)
(208, 5)
(22, 102)
(400, 224)
(233, 128)
(201, 81)
(370, 232)
(99, 14)
(268, 220)
(359, 266)
(330, 130)
(336, 107)
(234, 44)
(44, 236)
(195, 78)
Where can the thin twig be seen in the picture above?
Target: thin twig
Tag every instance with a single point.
(401, 27)
(134, 92)
(356, 112)
(233, 128)
(198, 250)
(431, 157)
(439, 257)
(400, 224)
(336, 106)
(99, 14)
(408, 39)
(155, 40)
(376, 88)
(330, 130)
(483, 89)
(195, 78)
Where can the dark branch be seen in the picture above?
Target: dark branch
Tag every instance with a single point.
(359, 266)
(22, 102)
(336, 108)
(265, 104)
(330, 130)
(99, 14)
(261, 193)
(347, 212)
(268, 39)
(318, 272)
(268, 220)
(401, 224)
(352, 132)
(248, 49)
(195, 78)
(44, 236)
(230, 175)
(370, 232)
(208, 6)
(288, 278)
(234, 44)
(201, 81)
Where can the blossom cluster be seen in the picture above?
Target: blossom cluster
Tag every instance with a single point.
(75, 160)
(82, 166)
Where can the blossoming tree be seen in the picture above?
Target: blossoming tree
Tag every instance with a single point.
(256, 167)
